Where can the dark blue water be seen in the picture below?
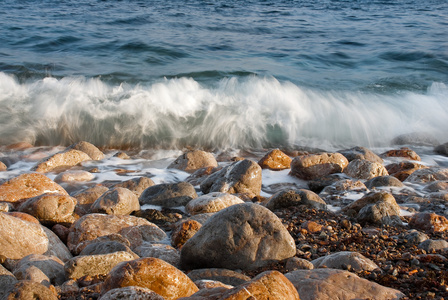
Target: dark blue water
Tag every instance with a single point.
(222, 73)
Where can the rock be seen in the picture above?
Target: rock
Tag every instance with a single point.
(94, 265)
(7, 281)
(89, 227)
(343, 186)
(225, 276)
(243, 177)
(371, 198)
(131, 293)
(192, 161)
(210, 284)
(442, 149)
(136, 185)
(311, 227)
(151, 273)
(329, 284)
(433, 245)
(26, 290)
(344, 260)
(384, 181)
(117, 201)
(317, 185)
(168, 194)
(275, 160)
(267, 285)
(32, 273)
(160, 251)
(19, 146)
(376, 208)
(183, 232)
(3, 167)
(211, 203)
(50, 208)
(295, 263)
(23, 216)
(27, 186)
(68, 158)
(74, 176)
(361, 153)
(207, 294)
(415, 138)
(93, 152)
(85, 198)
(5, 207)
(121, 155)
(200, 175)
(436, 186)
(51, 266)
(289, 198)
(403, 152)
(309, 167)
(429, 222)
(364, 169)
(415, 237)
(403, 169)
(106, 247)
(242, 236)
(428, 174)
(20, 238)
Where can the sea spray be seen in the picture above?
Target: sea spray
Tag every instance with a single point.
(235, 112)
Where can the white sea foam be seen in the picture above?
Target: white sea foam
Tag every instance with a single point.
(234, 113)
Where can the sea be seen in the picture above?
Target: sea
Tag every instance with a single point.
(215, 74)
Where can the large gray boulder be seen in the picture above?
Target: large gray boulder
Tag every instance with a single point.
(365, 169)
(194, 160)
(168, 194)
(313, 166)
(329, 284)
(242, 236)
(243, 177)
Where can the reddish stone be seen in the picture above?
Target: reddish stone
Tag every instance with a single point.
(403, 152)
(429, 222)
(184, 232)
(312, 226)
(275, 160)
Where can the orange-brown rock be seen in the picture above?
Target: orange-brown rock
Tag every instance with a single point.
(313, 166)
(312, 226)
(275, 160)
(365, 169)
(429, 222)
(27, 186)
(89, 149)
(24, 216)
(3, 167)
(269, 285)
(403, 152)
(184, 232)
(19, 146)
(194, 160)
(151, 273)
(67, 158)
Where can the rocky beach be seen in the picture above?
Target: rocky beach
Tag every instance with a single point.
(80, 222)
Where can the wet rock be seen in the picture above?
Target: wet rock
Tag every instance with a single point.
(403, 169)
(25, 290)
(361, 153)
(433, 245)
(442, 149)
(131, 293)
(211, 203)
(183, 232)
(403, 152)
(295, 263)
(240, 177)
(289, 198)
(27, 186)
(344, 260)
(51, 266)
(309, 167)
(267, 285)
(50, 208)
(93, 152)
(371, 198)
(74, 176)
(429, 222)
(85, 198)
(242, 236)
(136, 185)
(151, 273)
(384, 181)
(364, 169)
(94, 265)
(68, 158)
(428, 174)
(201, 174)
(225, 276)
(338, 284)
(436, 186)
(415, 237)
(275, 160)
(160, 251)
(168, 194)
(194, 160)
(20, 238)
(317, 185)
(415, 138)
(89, 227)
(117, 201)
(106, 247)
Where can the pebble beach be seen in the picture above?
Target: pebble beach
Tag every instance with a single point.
(78, 222)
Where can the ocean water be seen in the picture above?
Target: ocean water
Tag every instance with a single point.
(222, 74)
